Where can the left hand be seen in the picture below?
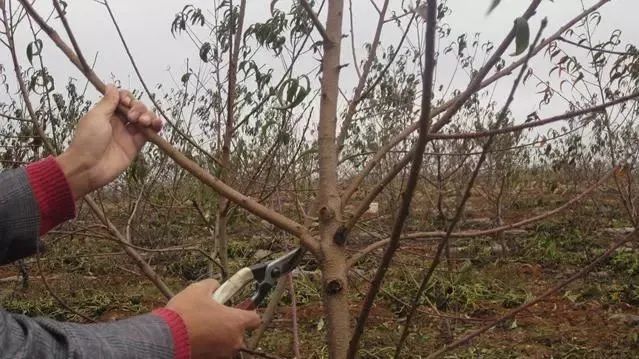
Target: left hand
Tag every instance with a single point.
(105, 143)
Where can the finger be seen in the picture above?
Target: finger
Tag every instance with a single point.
(146, 119)
(250, 318)
(109, 102)
(136, 111)
(157, 123)
(126, 98)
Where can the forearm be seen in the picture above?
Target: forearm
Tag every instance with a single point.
(146, 336)
(32, 201)
(19, 217)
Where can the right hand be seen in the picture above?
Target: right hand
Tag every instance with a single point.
(215, 330)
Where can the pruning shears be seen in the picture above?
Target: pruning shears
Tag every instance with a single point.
(264, 274)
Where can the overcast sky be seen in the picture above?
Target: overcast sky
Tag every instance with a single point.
(146, 26)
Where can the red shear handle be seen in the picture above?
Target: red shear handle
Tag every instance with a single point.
(248, 304)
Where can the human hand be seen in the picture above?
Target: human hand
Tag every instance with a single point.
(215, 330)
(105, 143)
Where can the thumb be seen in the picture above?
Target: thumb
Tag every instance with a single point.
(251, 319)
(208, 285)
(109, 102)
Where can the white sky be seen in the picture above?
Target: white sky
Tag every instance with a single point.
(146, 27)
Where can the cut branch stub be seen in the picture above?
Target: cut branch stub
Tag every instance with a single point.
(334, 286)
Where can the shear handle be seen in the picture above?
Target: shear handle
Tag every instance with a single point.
(233, 285)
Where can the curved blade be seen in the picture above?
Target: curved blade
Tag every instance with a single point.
(287, 263)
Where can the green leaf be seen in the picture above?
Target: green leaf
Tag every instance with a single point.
(33, 49)
(522, 35)
(295, 93)
(493, 6)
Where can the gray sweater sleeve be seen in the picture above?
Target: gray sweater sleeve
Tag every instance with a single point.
(146, 336)
(19, 217)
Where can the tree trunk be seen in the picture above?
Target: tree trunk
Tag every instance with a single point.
(333, 261)
(335, 300)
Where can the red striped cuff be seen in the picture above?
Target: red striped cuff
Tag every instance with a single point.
(181, 344)
(52, 193)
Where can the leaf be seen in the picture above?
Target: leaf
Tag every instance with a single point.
(292, 91)
(204, 51)
(31, 51)
(522, 35)
(493, 6)
(295, 93)
(185, 78)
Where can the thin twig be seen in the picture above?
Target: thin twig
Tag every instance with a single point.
(74, 42)
(504, 130)
(316, 22)
(296, 335)
(363, 78)
(620, 53)
(404, 208)
(16, 118)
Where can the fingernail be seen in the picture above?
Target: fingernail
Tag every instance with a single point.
(145, 118)
(134, 114)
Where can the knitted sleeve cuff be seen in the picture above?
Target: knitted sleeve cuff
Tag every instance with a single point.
(52, 193)
(181, 344)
